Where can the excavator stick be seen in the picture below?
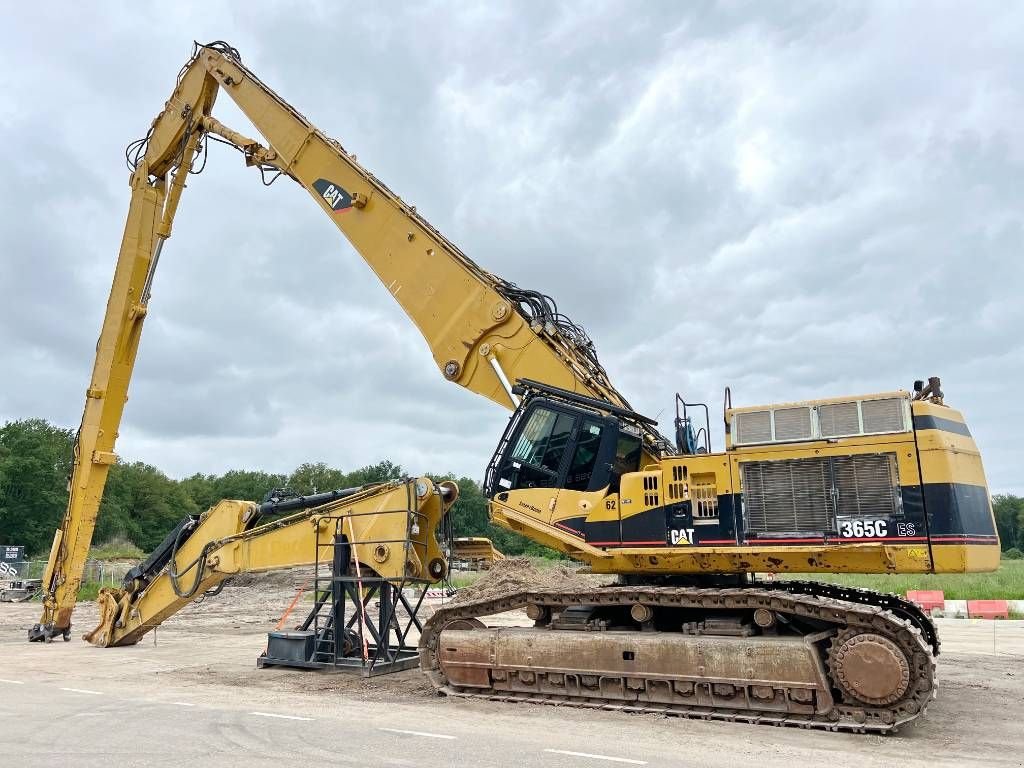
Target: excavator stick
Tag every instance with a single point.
(157, 182)
(105, 398)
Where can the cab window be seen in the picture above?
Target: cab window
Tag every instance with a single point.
(585, 456)
(533, 440)
(541, 445)
(627, 458)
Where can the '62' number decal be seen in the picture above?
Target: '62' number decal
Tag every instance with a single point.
(863, 529)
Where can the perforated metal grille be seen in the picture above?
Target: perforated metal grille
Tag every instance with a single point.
(651, 495)
(676, 488)
(838, 419)
(705, 502)
(883, 415)
(754, 427)
(787, 496)
(866, 485)
(792, 423)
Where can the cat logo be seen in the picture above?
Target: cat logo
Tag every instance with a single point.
(680, 536)
(336, 198)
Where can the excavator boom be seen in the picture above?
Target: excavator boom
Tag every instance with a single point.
(489, 334)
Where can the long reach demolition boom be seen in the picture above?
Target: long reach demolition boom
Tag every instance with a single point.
(490, 330)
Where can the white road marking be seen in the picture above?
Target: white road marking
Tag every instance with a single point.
(88, 714)
(418, 733)
(12, 682)
(283, 717)
(83, 690)
(597, 757)
(182, 704)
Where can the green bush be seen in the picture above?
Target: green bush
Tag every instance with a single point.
(89, 591)
(116, 549)
(1013, 554)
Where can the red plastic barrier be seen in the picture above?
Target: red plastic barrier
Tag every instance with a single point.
(988, 609)
(927, 598)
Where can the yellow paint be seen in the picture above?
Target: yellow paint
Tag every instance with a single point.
(945, 458)
(454, 303)
(460, 311)
(380, 513)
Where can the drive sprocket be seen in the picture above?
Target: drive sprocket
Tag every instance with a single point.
(869, 668)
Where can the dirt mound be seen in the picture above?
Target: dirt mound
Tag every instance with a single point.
(519, 574)
(292, 578)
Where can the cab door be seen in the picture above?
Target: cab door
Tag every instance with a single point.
(536, 452)
(582, 506)
(571, 451)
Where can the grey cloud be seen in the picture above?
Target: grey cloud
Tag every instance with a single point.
(797, 200)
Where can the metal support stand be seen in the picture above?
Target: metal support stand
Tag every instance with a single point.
(360, 623)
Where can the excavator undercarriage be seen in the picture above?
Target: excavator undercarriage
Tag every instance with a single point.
(791, 653)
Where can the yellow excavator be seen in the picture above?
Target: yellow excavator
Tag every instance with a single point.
(889, 482)
(474, 553)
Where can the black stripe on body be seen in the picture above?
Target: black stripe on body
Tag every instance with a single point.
(958, 509)
(937, 422)
(573, 525)
(954, 511)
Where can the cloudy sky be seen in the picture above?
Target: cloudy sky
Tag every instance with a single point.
(794, 199)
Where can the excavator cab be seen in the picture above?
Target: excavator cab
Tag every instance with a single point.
(555, 441)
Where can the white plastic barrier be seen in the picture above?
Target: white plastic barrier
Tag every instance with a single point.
(955, 609)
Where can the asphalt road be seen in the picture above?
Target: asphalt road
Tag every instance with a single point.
(195, 699)
(81, 723)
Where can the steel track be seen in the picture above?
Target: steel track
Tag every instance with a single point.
(902, 622)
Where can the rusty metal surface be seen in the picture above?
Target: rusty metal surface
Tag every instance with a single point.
(869, 668)
(751, 694)
(768, 673)
(898, 606)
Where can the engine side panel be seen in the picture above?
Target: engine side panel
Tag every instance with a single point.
(912, 499)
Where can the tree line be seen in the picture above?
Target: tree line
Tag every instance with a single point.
(141, 503)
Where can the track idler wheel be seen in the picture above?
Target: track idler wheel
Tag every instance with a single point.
(869, 668)
(465, 624)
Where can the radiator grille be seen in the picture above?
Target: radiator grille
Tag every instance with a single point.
(754, 427)
(787, 496)
(883, 415)
(807, 495)
(867, 485)
(838, 419)
(792, 423)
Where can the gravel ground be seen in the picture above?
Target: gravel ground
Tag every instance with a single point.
(210, 648)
